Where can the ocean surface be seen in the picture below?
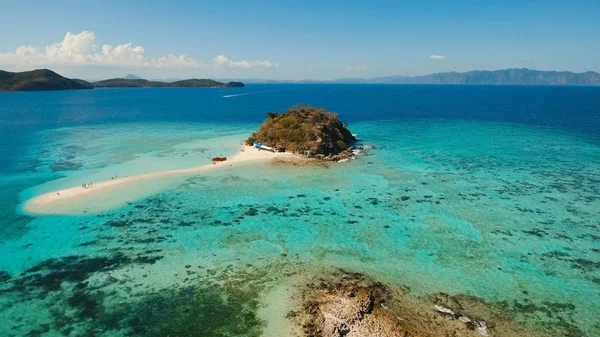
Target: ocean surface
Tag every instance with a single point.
(488, 191)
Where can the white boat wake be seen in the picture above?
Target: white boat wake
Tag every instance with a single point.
(255, 93)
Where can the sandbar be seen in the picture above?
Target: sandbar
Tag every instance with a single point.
(51, 202)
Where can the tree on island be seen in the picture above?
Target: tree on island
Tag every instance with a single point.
(304, 128)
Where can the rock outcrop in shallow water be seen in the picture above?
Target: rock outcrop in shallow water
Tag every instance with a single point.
(352, 305)
(305, 129)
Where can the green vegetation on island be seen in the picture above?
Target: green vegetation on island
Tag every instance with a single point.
(39, 80)
(44, 79)
(305, 129)
(141, 83)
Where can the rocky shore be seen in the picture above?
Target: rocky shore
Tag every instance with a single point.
(353, 305)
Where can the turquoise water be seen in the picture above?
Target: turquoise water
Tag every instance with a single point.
(466, 200)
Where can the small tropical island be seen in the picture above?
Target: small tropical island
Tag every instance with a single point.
(302, 134)
(313, 132)
(47, 80)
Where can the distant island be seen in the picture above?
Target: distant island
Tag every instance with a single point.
(141, 83)
(45, 80)
(313, 132)
(499, 77)
(522, 76)
(39, 80)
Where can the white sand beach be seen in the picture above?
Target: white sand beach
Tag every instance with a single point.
(54, 202)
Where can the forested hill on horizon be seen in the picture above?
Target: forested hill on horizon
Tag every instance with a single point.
(512, 76)
(44, 79)
(48, 80)
(39, 80)
(142, 83)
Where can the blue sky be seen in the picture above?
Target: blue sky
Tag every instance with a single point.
(296, 40)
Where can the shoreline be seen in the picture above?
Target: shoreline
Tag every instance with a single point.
(47, 202)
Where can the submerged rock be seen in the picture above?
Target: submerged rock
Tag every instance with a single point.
(4, 276)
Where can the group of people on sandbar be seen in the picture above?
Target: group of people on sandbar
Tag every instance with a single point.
(88, 185)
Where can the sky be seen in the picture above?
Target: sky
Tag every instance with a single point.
(295, 40)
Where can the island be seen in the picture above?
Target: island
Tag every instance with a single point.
(313, 132)
(39, 80)
(142, 83)
(301, 135)
(45, 80)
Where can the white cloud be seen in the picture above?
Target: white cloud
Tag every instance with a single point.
(80, 49)
(222, 61)
(357, 67)
(437, 57)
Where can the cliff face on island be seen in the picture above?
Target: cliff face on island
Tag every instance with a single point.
(141, 83)
(39, 80)
(304, 128)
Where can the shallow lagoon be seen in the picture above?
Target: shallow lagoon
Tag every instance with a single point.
(504, 211)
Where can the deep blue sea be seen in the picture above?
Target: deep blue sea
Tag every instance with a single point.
(488, 191)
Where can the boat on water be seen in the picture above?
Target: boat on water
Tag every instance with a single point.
(263, 147)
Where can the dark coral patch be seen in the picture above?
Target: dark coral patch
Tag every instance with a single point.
(4, 276)
(536, 232)
(87, 305)
(585, 264)
(118, 223)
(50, 274)
(193, 312)
(373, 201)
(251, 211)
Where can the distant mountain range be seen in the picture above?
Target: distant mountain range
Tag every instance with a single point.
(476, 77)
(132, 77)
(44, 79)
(499, 77)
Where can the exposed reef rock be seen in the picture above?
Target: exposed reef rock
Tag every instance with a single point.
(306, 130)
(352, 305)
